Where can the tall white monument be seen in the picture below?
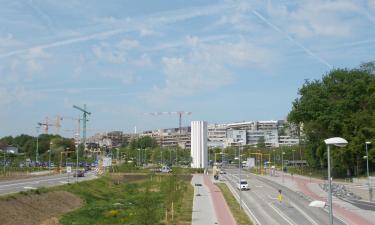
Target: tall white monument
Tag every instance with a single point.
(199, 144)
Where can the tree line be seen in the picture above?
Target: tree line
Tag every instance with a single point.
(341, 104)
(27, 144)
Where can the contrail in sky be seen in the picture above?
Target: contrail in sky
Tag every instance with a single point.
(308, 51)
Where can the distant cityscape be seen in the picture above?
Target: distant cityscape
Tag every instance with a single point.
(273, 133)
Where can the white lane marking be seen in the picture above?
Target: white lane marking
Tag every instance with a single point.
(285, 217)
(273, 198)
(258, 186)
(64, 182)
(32, 182)
(304, 214)
(29, 188)
(254, 218)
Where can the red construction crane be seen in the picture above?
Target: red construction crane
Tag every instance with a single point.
(179, 113)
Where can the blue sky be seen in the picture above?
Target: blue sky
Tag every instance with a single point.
(224, 61)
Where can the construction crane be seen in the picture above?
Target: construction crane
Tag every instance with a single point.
(84, 118)
(179, 113)
(46, 124)
(77, 131)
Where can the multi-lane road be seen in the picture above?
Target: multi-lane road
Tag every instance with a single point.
(262, 204)
(13, 186)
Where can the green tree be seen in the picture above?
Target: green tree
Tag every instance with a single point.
(341, 104)
(143, 142)
(261, 142)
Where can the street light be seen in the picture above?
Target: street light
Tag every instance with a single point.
(294, 162)
(339, 142)
(49, 155)
(282, 165)
(139, 158)
(37, 145)
(240, 168)
(368, 174)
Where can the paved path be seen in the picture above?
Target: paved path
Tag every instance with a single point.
(311, 189)
(203, 210)
(223, 213)
(209, 206)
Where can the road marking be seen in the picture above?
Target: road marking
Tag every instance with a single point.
(254, 218)
(285, 217)
(29, 188)
(304, 214)
(270, 197)
(258, 186)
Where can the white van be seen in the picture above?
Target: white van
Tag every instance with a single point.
(243, 185)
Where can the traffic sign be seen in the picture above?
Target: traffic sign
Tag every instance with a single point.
(68, 169)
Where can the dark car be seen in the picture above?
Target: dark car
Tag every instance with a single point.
(80, 173)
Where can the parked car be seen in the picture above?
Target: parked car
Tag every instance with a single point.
(80, 173)
(222, 172)
(165, 169)
(243, 185)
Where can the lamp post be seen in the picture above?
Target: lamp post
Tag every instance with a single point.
(282, 165)
(37, 145)
(240, 168)
(139, 158)
(339, 142)
(49, 155)
(368, 174)
(4, 162)
(294, 162)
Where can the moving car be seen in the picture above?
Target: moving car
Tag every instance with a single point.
(243, 185)
(80, 173)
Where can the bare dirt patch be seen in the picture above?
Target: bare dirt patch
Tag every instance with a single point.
(36, 209)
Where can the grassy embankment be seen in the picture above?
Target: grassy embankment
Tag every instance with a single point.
(239, 215)
(132, 199)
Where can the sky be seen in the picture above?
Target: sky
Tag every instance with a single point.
(222, 60)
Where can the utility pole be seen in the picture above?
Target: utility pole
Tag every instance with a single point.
(37, 145)
(368, 173)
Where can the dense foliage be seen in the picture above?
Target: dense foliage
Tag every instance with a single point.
(27, 144)
(342, 104)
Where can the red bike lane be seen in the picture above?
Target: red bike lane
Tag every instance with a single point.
(223, 214)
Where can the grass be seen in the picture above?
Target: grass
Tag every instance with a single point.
(184, 212)
(141, 201)
(238, 214)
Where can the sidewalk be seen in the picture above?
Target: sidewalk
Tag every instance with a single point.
(312, 190)
(209, 206)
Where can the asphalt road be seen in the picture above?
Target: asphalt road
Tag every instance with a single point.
(261, 201)
(13, 186)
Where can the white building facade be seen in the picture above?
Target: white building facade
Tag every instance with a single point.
(199, 153)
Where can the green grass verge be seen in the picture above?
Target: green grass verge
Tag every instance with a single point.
(239, 215)
(141, 201)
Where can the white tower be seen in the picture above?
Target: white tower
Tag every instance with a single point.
(199, 144)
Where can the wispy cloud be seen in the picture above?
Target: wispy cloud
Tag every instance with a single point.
(305, 49)
(134, 24)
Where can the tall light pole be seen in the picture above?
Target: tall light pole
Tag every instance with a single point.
(282, 165)
(294, 162)
(138, 158)
(240, 168)
(368, 172)
(37, 145)
(339, 142)
(49, 156)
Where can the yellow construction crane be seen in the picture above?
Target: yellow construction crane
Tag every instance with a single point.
(46, 124)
